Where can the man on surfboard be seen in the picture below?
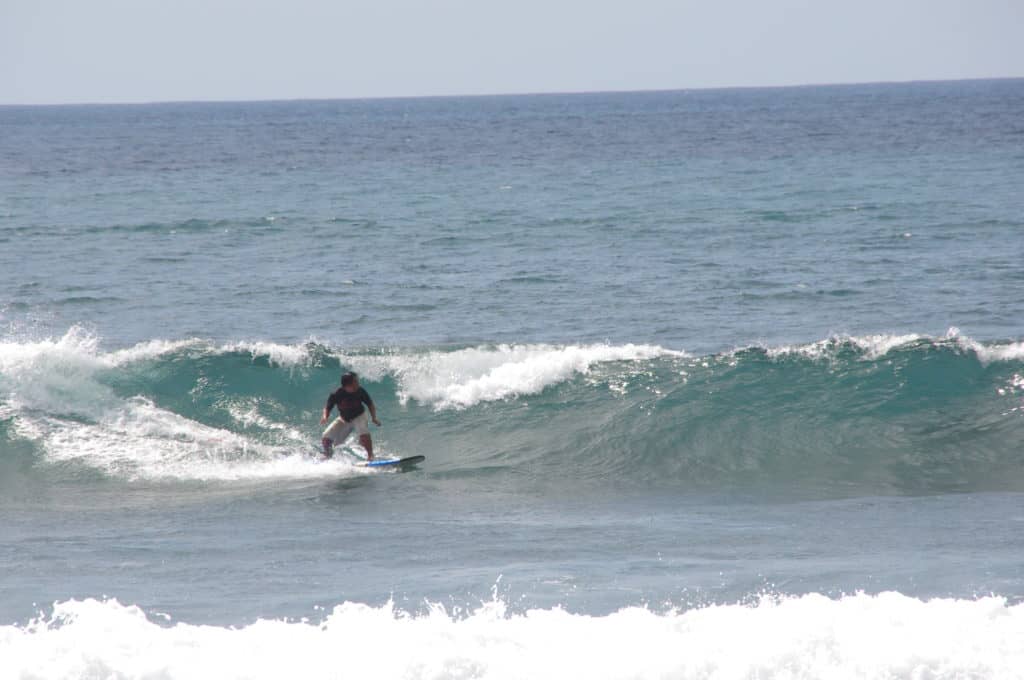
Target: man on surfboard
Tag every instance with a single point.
(349, 400)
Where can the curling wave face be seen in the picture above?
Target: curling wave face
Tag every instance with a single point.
(858, 636)
(871, 414)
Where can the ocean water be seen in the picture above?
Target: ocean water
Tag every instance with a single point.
(711, 384)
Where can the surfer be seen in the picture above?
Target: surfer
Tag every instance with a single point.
(349, 400)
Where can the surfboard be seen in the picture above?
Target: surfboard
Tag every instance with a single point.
(392, 463)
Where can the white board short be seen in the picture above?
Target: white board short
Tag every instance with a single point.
(339, 430)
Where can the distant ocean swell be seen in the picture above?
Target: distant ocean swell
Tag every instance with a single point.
(878, 414)
(887, 635)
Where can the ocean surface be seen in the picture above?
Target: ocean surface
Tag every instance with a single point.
(710, 384)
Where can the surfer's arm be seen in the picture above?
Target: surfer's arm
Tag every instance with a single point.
(327, 410)
(370, 405)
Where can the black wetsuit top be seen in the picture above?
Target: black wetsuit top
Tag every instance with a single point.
(350, 404)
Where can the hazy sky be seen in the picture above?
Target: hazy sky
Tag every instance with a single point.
(156, 50)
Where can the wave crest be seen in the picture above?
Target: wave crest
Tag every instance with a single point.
(466, 377)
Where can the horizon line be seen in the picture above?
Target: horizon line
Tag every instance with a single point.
(536, 93)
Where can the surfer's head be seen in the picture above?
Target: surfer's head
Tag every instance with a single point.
(350, 381)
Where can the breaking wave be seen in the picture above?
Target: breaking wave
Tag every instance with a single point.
(867, 414)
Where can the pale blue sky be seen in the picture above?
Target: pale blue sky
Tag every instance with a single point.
(55, 51)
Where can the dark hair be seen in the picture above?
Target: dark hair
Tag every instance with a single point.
(348, 378)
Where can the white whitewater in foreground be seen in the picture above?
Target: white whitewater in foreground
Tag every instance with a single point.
(859, 636)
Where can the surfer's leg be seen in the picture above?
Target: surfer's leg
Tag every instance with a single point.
(367, 443)
(337, 431)
(362, 428)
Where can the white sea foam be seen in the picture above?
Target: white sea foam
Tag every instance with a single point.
(80, 345)
(72, 357)
(54, 393)
(287, 356)
(46, 372)
(877, 346)
(138, 440)
(250, 416)
(463, 378)
(860, 636)
(152, 349)
(990, 353)
(872, 347)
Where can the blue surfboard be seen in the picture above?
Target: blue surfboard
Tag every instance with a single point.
(392, 463)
